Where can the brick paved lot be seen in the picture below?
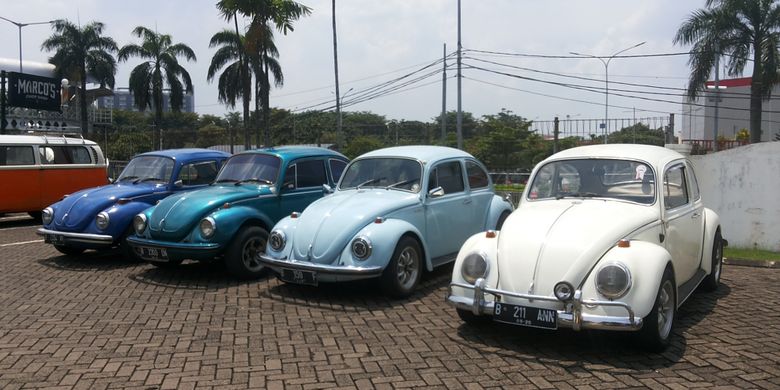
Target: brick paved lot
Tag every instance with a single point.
(98, 321)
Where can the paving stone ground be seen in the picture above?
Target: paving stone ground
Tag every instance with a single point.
(98, 321)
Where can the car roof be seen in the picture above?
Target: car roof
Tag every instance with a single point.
(292, 152)
(43, 140)
(424, 153)
(655, 155)
(187, 154)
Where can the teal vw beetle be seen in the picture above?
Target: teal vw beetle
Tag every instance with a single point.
(397, 211)
(231, 218)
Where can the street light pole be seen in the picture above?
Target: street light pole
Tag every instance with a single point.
(606, 81)
(20, 25)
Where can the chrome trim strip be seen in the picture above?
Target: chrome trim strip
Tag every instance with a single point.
(276, 264)
(79, 237)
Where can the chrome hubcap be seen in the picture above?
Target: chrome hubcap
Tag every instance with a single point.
(665, 309)
(252, 248)
(408, 267)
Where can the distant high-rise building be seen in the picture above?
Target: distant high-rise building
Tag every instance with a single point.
(123, 100)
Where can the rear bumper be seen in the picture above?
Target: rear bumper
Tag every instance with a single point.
(325, 272)
(176, 250)
(84, 240)
(570, 317)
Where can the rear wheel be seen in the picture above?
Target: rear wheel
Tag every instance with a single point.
(69, 250)
(657, 327)
(241, 257)
(402, 274)
(712, 281)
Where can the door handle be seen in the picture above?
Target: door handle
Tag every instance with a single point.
(467, 201)
(695, 215)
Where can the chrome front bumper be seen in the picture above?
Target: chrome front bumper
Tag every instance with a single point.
(350, 272)
(571, 317)
(80, 238)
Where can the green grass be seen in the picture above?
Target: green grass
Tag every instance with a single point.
(750, 254)
(510, 188)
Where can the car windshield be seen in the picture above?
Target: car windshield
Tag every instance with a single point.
(396, 173)
(147, 168)
(250, 168)
(633, 181)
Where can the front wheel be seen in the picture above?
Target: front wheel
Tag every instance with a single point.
(69, 250)
(657, 327)
(468, 317)
(402, 274)
(712, 281)
(241, 256)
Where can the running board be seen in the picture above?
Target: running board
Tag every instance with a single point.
(689, 287)
(443, 259)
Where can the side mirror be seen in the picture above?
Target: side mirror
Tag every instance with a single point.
(436, 192)
(326, 189)
(111, 180)
(178, 183)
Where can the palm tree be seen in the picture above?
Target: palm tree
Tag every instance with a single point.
(229, 56)
(736, 29)
(262, 54)
(161, 67)
(263, 13)
(78, 51)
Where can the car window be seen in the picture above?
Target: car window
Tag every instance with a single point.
(64, 155)
(478, 178)
(289, 178)
(694, 184)
(310, 173)
(675, 189)
(148, 168)
(17, 155)
(448, 176)
(198, 173)
(390, 172)
(336, 169)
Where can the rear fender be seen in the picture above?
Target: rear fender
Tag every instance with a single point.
(498, 206)
(711, 225)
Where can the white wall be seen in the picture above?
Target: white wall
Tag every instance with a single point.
(743, 186)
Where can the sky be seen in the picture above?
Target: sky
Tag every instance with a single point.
(380, 40)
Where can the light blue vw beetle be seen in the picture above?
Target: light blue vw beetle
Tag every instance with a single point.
(395, 212)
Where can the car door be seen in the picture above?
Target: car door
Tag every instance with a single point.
(481, 196)
(301, 185)
(683, 222)
(448, 217)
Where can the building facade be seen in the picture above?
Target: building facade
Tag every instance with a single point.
(123, 100)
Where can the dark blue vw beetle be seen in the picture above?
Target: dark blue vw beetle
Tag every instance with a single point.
(100, 217)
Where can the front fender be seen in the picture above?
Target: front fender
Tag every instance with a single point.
(498, 206)
(121, 217)
(286, 225)
(384, 238)
(646, 262)
(488, 247)
(711, 225)
(229, 221)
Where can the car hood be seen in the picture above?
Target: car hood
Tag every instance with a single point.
(561, 240)
(325, 228)
(79, 209)
(176, 215)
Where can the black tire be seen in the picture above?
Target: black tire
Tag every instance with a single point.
(501, 220)
(712, 281)
(69, 250)
(240, 257)
(403, 272)
(468, 317)
(36, 215)
(658, 326)
(124, 246)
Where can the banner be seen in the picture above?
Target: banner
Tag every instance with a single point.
(36, 92)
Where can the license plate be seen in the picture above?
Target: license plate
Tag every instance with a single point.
(299, 277)
(525, 316)
(54, 239)
(153, 254)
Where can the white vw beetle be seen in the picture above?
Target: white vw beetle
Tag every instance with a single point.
(608, 237)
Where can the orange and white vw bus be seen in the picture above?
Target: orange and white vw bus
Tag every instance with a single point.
(36, 171)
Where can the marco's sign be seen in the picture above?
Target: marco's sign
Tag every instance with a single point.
(36, 92)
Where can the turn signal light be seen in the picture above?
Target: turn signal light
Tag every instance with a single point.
(123, 201)
(379, 220)
(226, 205)
(624, 243)
(490, 234)
(295, 214)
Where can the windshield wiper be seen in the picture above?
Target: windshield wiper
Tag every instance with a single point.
(400, 183)
(369, 181)
(264, 181)
(577, 195)
(127, 178)
(148, 179)
(225, 181)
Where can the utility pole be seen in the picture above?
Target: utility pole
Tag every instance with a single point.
(339, 137)
(671, 128)
(555, 135)
(459, 124)
(2, 102)
(444, 96)
(717, 98)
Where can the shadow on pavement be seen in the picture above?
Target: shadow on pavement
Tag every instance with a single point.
(91, 261)
(357, 295)
(192, 276)
(588, 351)
(18, 220)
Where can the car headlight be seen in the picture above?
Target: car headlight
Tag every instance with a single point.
(101, 221)
(207, 227)
(613, 280)
(361, 248)
(139, 224)
(277, 240)
(474, 266)
(47, 215)
(564, 291)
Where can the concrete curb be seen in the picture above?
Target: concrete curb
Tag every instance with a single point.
(752, 263)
